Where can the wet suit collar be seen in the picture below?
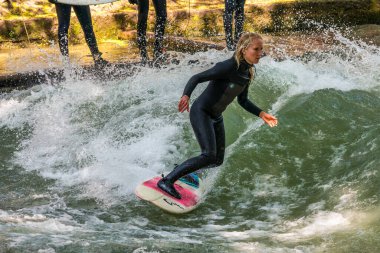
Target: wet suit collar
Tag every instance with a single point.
(241, 75)
(246, 64)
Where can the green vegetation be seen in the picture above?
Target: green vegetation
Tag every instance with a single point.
(196, 18)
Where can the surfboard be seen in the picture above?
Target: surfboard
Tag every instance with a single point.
(191, 195)
(82, 2)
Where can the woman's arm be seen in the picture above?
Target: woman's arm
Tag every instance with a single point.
(247, 104)
(219, 71)
(252, 108)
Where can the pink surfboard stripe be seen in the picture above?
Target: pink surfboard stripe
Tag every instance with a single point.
(189, 198)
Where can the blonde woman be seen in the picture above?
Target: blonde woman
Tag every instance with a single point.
(228, 79)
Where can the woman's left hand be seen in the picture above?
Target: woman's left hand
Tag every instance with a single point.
(269, 119)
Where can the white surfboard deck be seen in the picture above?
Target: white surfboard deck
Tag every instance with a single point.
(191, 195)
(83, 2)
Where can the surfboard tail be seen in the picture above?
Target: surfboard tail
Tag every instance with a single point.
(191, 195)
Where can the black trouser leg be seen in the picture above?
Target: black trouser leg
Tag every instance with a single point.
(143, 8)
(227, 18)
(84, 16)
(159, 30)
(63, 14)
(211, 138)
(239, 19)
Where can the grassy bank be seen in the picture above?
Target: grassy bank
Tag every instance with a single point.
(35, 21)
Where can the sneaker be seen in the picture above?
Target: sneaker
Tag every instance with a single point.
(168, 187)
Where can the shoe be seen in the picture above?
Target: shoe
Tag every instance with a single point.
(168, 187)
(100, 63)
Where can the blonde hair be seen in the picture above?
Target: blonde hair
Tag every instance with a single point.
(244, 42)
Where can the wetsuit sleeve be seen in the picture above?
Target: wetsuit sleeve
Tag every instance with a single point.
(247, 104)
(221, 70)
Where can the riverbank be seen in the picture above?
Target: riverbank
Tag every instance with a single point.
(28, 47)
(45, 65)
(24, 67)
(38, 22)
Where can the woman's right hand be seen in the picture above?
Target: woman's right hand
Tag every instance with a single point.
(183, 104)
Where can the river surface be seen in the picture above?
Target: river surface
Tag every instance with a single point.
(72, 154)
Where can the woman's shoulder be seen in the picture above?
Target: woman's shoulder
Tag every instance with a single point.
(229, 64)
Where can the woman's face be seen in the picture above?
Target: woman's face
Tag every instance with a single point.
(254, 51)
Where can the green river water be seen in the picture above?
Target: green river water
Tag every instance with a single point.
(72, 154)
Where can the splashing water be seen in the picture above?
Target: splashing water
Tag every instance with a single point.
(73, 153)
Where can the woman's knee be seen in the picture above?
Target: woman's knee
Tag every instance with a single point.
(210, 158)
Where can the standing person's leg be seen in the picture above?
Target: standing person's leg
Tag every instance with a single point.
(239, 19)
(227, 18)
(63, 14)
(143, 9)
(84, 16)
(159, 30)
(203, 126)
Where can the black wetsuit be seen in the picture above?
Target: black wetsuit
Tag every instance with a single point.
(161, 15)
(84, 16)
(227, 81)
(233, 7)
